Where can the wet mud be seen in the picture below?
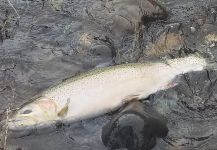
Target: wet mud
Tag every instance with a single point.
(45, 42)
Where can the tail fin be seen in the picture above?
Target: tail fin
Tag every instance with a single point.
(210, 59)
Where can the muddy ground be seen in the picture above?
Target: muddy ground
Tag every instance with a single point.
(45, 42)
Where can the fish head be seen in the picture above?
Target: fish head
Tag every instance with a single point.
(35, 113)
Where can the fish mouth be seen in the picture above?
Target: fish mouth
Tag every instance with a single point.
(19, 127)
(21, 123)
(15, 129)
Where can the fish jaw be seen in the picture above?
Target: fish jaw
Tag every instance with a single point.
(17, 131)
(20, 123)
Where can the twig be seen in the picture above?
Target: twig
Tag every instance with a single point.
(6, 129)
(8, 110)
(18, 16)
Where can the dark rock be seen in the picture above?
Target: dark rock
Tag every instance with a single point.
(156, 12)
(134, 128)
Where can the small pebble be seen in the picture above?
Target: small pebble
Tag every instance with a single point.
(193, 29)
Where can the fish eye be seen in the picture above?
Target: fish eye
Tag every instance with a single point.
(27, 111)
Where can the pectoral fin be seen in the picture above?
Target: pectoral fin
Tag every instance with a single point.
(63, 112)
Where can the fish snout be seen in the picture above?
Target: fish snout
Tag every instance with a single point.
(20, 123)
(24, 126)
(16, 130)
(12, 129)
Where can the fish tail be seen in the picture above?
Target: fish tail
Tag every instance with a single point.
(209, 58)
(212, 65)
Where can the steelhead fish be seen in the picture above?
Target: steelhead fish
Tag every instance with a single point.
(102, 90)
